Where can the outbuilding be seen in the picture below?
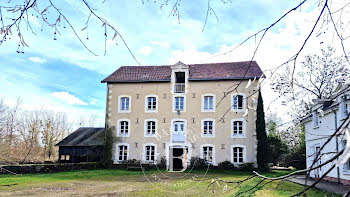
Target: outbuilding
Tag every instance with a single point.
(83, 145)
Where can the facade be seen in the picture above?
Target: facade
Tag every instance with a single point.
(83, 145)
(180, 111)
(325, 117)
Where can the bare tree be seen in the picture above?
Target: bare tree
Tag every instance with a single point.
(31, 127)
(55, 127)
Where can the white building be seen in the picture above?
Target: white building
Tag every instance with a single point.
(326, 115)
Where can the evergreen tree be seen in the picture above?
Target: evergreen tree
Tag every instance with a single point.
(109, 140)
(263, 156)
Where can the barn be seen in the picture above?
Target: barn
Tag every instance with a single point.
(86, 144)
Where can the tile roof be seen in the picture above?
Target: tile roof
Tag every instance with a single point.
(210, 71)
(84, 136)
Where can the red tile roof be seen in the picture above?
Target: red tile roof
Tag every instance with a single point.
(210, 71)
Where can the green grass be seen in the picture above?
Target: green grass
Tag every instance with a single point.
(119, 182)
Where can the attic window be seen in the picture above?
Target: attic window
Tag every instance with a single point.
(179, 82)
(180, 77)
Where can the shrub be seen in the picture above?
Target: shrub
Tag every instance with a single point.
(226, 165)
(198, 163)
(246, 166)
(162, 163)
(131, 162)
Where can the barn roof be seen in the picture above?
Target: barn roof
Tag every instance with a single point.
(84, 136)
(197, 72)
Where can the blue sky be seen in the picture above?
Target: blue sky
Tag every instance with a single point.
(63, 76)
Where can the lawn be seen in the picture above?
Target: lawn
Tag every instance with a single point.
(118, 182)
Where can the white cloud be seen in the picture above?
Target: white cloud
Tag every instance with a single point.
(68, 98)
(161, 44)
(93, 101)
(146, 50)
(37, 60)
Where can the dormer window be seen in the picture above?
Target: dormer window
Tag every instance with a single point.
(179, 82)
(179, 78)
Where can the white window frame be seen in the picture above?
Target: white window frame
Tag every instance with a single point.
(174, 102)
(146, 126)
(213, 152)
(146, 104)
(315, 119)
(172, 128)
(119, 134)
(203, 103)
(244, 153)
(243, 135)
(116, 158)
(244, 102)
(155, 153)
(120, 104)
(202, 126)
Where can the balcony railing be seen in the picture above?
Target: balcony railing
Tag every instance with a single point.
(179, 88)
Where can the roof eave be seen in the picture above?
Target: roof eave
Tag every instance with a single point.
(136, 81)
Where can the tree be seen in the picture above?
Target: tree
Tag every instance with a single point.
(263, 145)
(278, 147)
(109, 140)
(297, 154)
(317, 78)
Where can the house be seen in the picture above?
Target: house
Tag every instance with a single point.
(177, 112)
(325, 117)
(83, 145)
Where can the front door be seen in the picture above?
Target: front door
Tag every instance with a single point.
(178, 158)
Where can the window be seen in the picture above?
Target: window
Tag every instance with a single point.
(151, 104)
(208, 103)
(237, 156)
(344, 109)
(150, 153)
(63, 157)
(346, 165)
(238, 102)
(178, 130)
(122, 153)
(123, 128)
(238, 128)
(67, 157)
(150, 128)
(315, 119)
(208, 154)
(124, 104)
(179, 104)
(207, 128)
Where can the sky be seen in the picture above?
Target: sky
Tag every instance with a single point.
(61, 75)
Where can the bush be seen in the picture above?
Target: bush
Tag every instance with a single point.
(131, 162)
(246, 166)
(162, 163)
(198, 163)
(226, 165)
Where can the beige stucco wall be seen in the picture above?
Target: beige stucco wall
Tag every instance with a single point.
(195, 89)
